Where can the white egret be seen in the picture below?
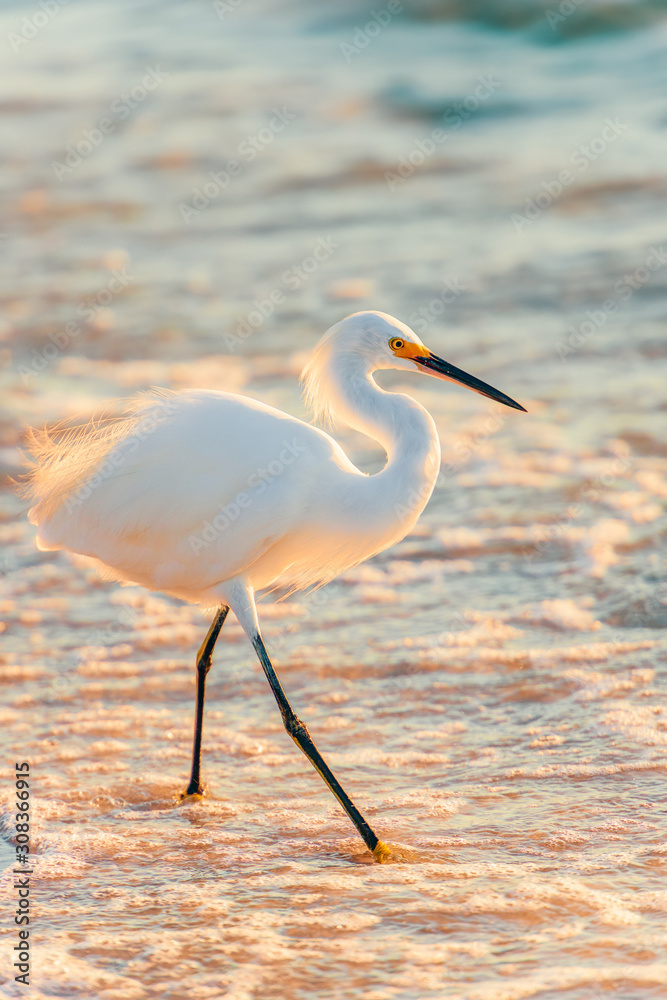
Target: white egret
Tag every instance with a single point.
(211, 496)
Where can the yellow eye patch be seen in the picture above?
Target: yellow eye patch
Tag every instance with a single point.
(406, 349)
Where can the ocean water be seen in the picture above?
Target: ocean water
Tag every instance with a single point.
(491, 690)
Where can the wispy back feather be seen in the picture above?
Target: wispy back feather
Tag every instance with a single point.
(61, 458)
(315, 381)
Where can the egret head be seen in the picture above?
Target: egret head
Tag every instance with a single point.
(383, 342)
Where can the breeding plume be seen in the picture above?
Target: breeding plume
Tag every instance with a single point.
(211, 497)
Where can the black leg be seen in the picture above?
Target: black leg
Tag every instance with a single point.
(299, 733)
(203, 667)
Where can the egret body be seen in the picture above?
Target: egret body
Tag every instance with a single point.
(211, 496)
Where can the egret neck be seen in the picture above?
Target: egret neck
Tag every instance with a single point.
(398, 494)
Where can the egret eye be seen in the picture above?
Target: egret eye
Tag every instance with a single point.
(396, 343)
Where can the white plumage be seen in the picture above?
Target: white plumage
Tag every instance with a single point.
(211, 496)
(192, 489)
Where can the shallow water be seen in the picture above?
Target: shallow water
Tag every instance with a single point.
(490, 691)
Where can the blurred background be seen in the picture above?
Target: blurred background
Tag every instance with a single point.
(192, 193)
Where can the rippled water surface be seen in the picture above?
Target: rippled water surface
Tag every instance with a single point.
(491, 690)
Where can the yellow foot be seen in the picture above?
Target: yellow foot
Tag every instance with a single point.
(388, 854)
(194, 796)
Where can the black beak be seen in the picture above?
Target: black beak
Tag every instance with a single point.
(434, 365)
